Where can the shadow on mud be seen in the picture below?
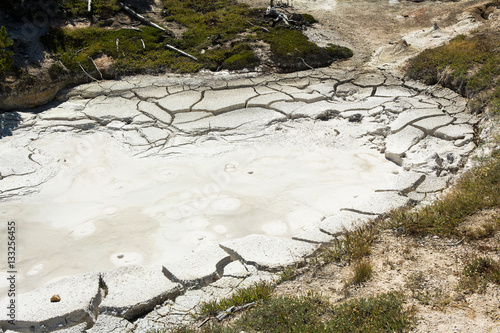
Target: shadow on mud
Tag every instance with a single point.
(8, 122)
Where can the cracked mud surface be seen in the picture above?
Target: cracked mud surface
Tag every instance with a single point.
(205, 161)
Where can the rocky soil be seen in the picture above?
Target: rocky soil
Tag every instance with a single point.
(428, 270)
(375, 30)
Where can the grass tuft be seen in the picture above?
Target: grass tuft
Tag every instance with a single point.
(259, 291)
(478, 272)
(353, 245)
(362, 271)
(468, 65)
(476, 190)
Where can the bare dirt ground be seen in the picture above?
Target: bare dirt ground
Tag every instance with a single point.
(428, 270)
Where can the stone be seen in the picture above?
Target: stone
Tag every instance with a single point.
(411, 116)
(265, 100)
(428, 125)
(268, 252)
(80, 328)
(397, 144)
(433, 184)
(287, 107)
(180, 102)
(325, 88)
(365, 104)
(69, 110)
(315, 236)
(343, 220)
(317, 110)
(454, 132)
(403, 181)
(112, 108)
(189, 117)
(351, 90)
(155, 112)
(106, 323)
(378, 203)
(369, 79)
(251, 118)
(394, 91)
(224, 100)
(151, 92)
(308, 97)
(236, 269)
(154, 134)
(206, 264)
(80, 296)
(135, 290)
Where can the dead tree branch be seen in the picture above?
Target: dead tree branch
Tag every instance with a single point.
(96, 68)
(89, 6)
(140, 17)
(181, 52)
(87, 73)
(253, 25)
(132, 28)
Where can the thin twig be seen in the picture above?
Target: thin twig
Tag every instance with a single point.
(204, 322)
(132, 28)
(267, 30)
(86, 72)
(96, 68)
(181, 52)
(140, 17)
(457, 243)
(117, 43)
(305, 63)
(62, 65)
(143, 45)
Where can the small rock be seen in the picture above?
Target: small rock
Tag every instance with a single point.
(55, 298)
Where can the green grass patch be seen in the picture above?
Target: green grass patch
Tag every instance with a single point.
(476, 190)
(259, 291)
(468, 65)
(313, 313)
(478, 272)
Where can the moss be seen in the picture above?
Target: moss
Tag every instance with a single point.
(291, 50)
(244, 59)
(103, 8)
(218, 33)
(309, 18)
(5, 53)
